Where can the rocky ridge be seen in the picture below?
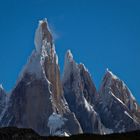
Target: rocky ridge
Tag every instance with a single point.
(42, 101)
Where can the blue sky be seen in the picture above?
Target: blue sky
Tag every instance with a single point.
(100, 33)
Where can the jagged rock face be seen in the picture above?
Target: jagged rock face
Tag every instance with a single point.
(51, 67)
(89, 89)
(52, 73)
(2, 99)
(121, 91)
(80, 94)
(113, 105)
(29, 105)
(38, 92)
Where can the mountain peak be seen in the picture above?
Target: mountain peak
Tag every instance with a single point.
(44, 48)
(114, 85)
(43, 21)
(109, 74)
(69, 56)
(42, 35)
(83, 67)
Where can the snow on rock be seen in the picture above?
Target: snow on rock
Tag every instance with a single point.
(44, 42)
(55, 123)
(42, 34)
(84, 67)
(114, 97)
(1, 87)
(108, 131)
(32, 67)
(38, 84)
(3, 100)
(61, 134)
(38, 38)
(69, 66)
(111, 74)
(129, 115)
(119, 89)
(87, 105)
(79, 92)
(2, 94)
(68, 62)
(44, 48)
(66, 134)
(69, 56)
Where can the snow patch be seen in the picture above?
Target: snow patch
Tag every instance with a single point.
(38, 38)
(112, 75)
(87, 105)
(61, 134)
(84, 67)
(55, 123)
(125, 87)
(69, 56)
(42, 21)
(1, 87)
(128, 115)
(33, 66)
(131, 95)
(107, 131)
(117, 98)
(68, 65)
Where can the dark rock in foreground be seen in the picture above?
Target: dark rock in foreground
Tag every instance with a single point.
(13, 133)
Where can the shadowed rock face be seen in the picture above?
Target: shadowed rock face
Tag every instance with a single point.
(2, 99)
(121, 91)
(38, 92)
(79, 92)
(29, 105)
(115, 105)
(89, 89)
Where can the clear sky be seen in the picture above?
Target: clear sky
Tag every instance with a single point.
(100, 33)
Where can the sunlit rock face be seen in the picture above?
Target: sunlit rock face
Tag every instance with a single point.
(51, 68)
(38, 91)
(116, 105)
